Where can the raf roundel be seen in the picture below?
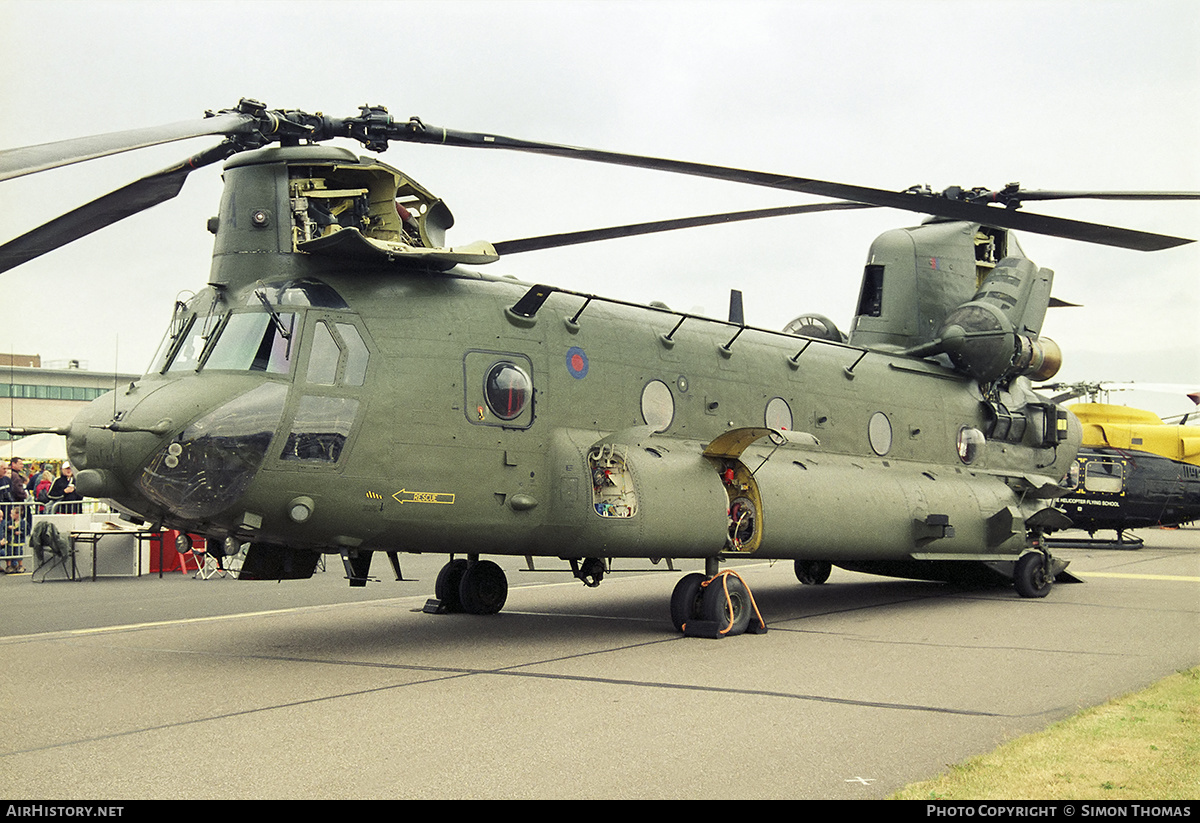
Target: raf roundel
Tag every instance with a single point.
(577, 363)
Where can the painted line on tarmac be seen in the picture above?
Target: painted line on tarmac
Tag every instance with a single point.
(129, 627)
(417, 600)
(1179, 578)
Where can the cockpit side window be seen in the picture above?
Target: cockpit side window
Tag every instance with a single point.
(338, 355)
(254, 341)
(324, 357)
(355, 372)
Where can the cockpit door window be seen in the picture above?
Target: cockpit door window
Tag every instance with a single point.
(320, 428)
(1105, 476)
(325, 407)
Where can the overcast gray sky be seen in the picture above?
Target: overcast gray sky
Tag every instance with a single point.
(1053, 94)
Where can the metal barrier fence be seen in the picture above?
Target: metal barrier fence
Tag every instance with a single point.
(18, 523)
(25, 545)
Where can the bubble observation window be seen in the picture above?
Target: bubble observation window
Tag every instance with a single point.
(507, 390)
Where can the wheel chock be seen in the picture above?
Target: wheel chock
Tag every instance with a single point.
(715, 631)
(703, 628)
(434, 606)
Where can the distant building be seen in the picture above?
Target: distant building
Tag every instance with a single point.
(35, 397)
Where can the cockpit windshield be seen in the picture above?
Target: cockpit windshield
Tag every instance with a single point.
(184, 340)
(254, 341)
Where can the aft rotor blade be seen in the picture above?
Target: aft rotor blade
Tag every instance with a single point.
(924, 203)
(551, 241)
(31, 159)
(1038, 194)
(104, 211)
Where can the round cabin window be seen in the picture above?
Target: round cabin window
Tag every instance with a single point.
(507, 390)
(879, 432)
(658, 406)
(779, 414)
(970, 444)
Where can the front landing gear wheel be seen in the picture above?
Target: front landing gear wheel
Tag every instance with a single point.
(483, 588)
(1031, 577)
(685, 600)
(813, 572)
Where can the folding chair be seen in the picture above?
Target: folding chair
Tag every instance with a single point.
(46, 538)
(211, 560)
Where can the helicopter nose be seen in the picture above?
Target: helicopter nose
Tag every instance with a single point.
(131, 451)
(208, 466)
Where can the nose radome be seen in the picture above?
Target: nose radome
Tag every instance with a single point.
(103, 454)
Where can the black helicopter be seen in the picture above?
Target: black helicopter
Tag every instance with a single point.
(339, 330)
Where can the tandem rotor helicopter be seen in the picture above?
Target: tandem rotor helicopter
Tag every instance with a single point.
(340, 331)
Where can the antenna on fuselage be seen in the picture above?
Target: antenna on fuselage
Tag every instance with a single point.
(736, 315)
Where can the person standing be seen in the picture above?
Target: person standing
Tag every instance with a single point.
(39, 486)
(12, 490)
(5, 497)
(64, 494)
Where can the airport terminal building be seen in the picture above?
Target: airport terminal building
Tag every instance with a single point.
(37, 396)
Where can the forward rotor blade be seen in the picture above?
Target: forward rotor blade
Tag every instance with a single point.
(31, 159)
(551, 241)
(415, 131)
(104, 211)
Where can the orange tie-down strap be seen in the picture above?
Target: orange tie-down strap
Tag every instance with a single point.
(708, 628)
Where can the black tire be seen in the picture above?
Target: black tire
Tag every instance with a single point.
(716, 606)
(685, 600)
(813, 572)
(446, 587)
(1029, 576)
(483, 588)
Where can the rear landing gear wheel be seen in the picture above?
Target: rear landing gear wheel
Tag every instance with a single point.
(1030, 577)
(446, 587)
(483, 588)
(726, 602)
(685, 600)
(813, 572)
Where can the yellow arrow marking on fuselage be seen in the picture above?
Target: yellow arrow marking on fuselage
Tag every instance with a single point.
(405, 496)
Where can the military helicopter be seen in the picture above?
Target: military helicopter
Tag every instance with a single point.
(339, 331)
(1134, 471)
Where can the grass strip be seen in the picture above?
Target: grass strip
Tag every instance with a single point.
(1143, 746)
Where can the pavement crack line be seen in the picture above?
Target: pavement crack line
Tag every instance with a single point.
(444, 673)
